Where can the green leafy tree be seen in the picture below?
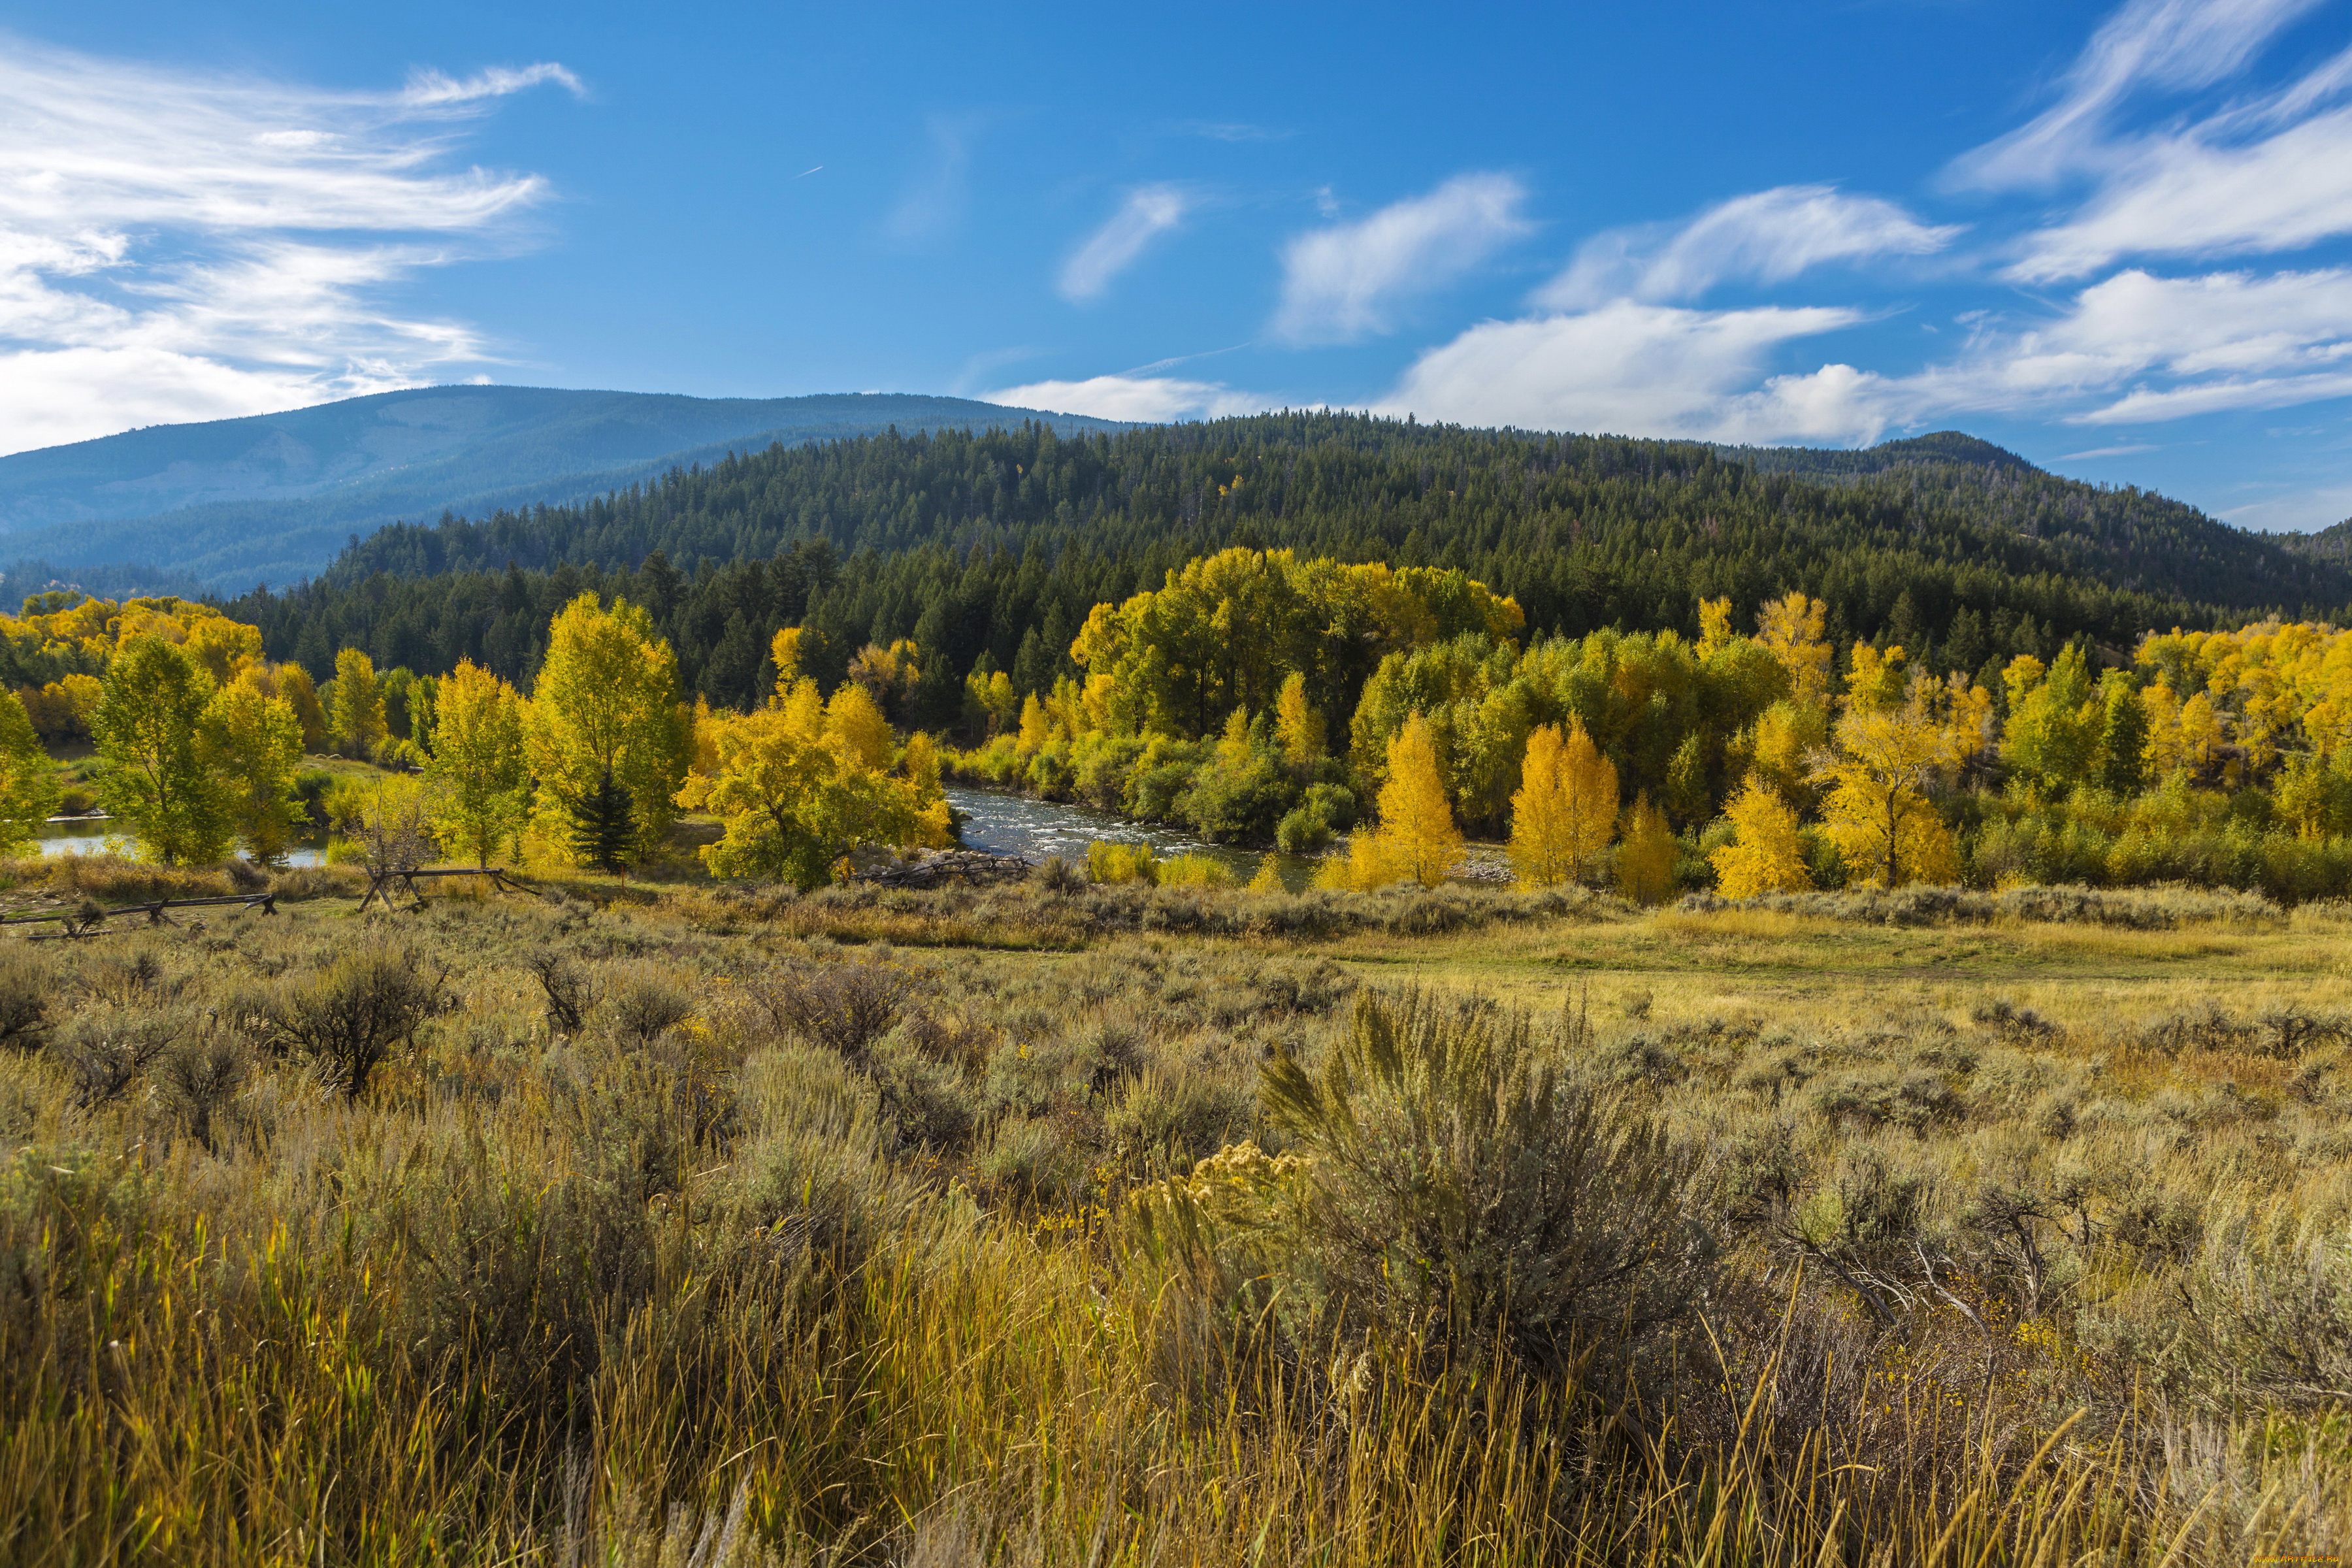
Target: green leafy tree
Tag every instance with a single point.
(156, 774)
(358, 710)
(2123, 735)
(482, 778)
(30, 787)
(253, 743)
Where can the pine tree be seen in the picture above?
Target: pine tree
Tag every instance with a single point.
(604, 829)
(1767, 856)
(359, 721)
(1645, 861)
(2122, 736)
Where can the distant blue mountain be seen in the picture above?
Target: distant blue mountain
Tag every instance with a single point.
(273, 498)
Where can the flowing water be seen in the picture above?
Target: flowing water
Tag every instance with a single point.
(1033, 829)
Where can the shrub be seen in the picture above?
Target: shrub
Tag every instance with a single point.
(842, 1007)
(198, 1078)
(1464, 1185)
(643, 1004)
(106, 1051)
(1183, 1119)
(1028, 1160)
(1194, 871)
(1116, 860)
(572, 993)
(348, 1019)
(1058, 874)
(27, 988)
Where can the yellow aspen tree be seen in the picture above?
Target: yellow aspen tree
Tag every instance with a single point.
(294, 684)
(1268, 878)
(1645, 861)
(1767, 857)
(1298, 725)
(1036, 729)
(1417, 829)
(1877, 813)
(158, 778)
(1565, 812)
(1791, 630)
(481, 781)
(1234, 745)
(359, 723)
(784, 653)
(254, 744)
(2200, 733)
(1714, 625)
(605, 731)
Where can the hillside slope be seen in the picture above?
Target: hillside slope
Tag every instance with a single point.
(234, 501)
(1001, 541)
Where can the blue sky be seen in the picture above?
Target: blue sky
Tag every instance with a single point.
(2116, 238)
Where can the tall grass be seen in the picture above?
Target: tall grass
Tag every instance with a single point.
(765, 1251)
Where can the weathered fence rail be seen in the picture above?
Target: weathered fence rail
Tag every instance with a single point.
(86, 920)
(382, 883)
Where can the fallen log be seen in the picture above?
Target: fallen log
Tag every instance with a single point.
(972, 868)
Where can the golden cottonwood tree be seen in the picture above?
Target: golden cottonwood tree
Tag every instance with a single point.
(480, 776)
(604, 717)
(1767, 856)
(253, 743)
(801, 784)
(358, 716)
(1565, 812)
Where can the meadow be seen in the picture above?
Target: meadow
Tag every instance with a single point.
(1063, 1223)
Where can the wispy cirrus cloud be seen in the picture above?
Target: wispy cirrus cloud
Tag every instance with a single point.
(176, 246)
(1148, 213)
(1346, 281)
(1768, 236)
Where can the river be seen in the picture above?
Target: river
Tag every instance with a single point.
(1020, 825)
(89, 836)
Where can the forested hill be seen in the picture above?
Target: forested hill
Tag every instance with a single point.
(972, 542)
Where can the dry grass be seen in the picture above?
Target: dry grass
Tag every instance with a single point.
(2029, 1242)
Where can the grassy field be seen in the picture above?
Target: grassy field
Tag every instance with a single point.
(650, 1223)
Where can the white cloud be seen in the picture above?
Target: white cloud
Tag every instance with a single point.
(2186, 195)
(1144, 217)
(2265, 174)
(1768, 236)
(2175, 43)
(2131, 449)
(175, 247)
(1345, 283)
(2171, 346)
(1146, 399)
(431, 88)
(1650, 370)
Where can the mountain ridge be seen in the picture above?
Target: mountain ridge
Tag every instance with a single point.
(277, 495)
